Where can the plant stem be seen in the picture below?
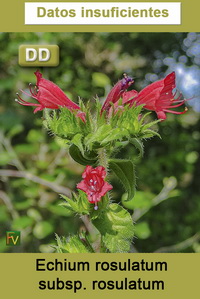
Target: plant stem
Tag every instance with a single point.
(102, 156)
(93, 232)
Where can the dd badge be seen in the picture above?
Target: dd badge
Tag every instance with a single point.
(38, 55)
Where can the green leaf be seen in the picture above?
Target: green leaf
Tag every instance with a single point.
(141, 121)
(63, 123)
(124, 170)
(100, 79)
(43, 229)
(22, 222)
(128, 120)
(26, 149)
(46, 248)
(142, 230)
(4, 214)
(75, 245)
(71, 245)
(139, 145)
(148, 133)
(60, 244)
(96, 137)
(35, 136)
(150, 124)
(58, 210)
(90, 159)
(18, 128)
(102, 206)
(142, 200)
(116, 228)
(78, 204)
(115, 134)
(24, 205)
(34, 214)
(6, 158)
(77, 140)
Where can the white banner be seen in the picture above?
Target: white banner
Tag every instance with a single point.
(102, 13)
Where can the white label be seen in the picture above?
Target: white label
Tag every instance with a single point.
(102, 13)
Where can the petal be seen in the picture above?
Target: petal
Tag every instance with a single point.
(129, 96)
(166, 94)
(38, 109)
(150, 94)
(161, 115)
(106, 187)
(49, 91)
(101, 171)
(45, 97)
(116, 92)
(81, 115)
(87, 171)
(169, 84)
(38, 76)
(82, 186)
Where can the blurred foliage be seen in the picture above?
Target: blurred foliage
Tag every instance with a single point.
(166, 207)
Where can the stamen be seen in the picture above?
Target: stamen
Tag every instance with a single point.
(96, 206)
(175, 106)
(29, 95)
(125, 75)
(24, 103)
(33, 92)
(176, 112)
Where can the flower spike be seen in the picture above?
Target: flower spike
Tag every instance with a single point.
(48, 95)
(117, 91)
(158, 97)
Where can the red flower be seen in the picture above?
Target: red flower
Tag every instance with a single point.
(49, 95)
(116, 92)
(93, 184)
(157, 96)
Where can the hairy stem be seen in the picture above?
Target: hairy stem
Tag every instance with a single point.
(102, 156)
(93, 232)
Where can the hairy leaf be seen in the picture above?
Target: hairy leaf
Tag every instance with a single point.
(90, 159)
(115, 134)
(124, 170)
(116, 228)
(139, 145)
(79, 203)
(71, 244)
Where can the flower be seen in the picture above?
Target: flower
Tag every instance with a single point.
(157, 96)
(116, 92)
(93, 184)
(49, 95)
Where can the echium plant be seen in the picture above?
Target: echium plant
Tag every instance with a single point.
(93, 140)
